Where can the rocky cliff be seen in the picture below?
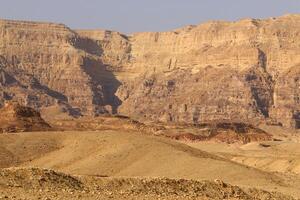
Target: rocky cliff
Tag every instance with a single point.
(43, 64)
(245, 70)
(218, 71)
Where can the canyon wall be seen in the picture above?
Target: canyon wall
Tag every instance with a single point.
(239, 71)
(44, 64)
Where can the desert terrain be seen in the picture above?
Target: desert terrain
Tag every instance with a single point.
(114, 157)
(209, 111)
(125, 164)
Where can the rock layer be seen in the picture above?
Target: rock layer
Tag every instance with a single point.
(230, 71)
(49, 64)
(245, 70)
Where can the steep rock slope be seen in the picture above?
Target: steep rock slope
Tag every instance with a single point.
(246, 70)
(45, 64)
(218, 71)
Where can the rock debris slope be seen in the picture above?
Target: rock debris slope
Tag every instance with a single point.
(230, 71)
(49, 184)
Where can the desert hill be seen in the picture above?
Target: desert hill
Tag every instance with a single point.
(118, 154)
(17, 118)
(245, 70)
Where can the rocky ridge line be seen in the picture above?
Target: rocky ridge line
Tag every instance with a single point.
(245, 71)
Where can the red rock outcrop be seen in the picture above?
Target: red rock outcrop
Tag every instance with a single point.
(226, 132)
(17, 118)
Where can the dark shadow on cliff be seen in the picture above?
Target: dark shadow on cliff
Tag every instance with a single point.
(52, 93)
(104, 84)
(18, 78)
(261, 85)
(88, 45)
(296, 117)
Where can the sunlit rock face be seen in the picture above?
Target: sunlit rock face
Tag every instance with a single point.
(44, 64)
(246, 70)
(238, 71)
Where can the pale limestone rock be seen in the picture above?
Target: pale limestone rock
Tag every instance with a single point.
(240, 71)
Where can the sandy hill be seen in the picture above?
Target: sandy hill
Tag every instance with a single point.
(129, 154)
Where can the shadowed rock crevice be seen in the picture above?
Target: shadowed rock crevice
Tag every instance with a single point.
(88, 45)
(104, 85)
(103, 82)
(296, 117)
(286, 98)
(262, 59)
(261, 85)
(57, 95)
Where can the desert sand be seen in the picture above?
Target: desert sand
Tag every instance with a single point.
(112, 155)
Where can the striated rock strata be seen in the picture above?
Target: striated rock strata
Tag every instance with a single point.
(46, 64)
(229, 71)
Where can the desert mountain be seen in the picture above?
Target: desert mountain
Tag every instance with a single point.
(236, 71)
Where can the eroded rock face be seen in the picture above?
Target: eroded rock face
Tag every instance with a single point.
(46, 64)
(17, 118)
(241, 71)
(246, 70)
(286, 106)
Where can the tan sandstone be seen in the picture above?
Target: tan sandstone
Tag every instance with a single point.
(217, 71)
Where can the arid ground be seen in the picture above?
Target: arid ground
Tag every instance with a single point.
(127, 164)
(208, 111)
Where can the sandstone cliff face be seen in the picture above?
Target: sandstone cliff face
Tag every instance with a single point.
(246, 70)
(115, 47)
(48, 64)
(239, 71)
(286, 108)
